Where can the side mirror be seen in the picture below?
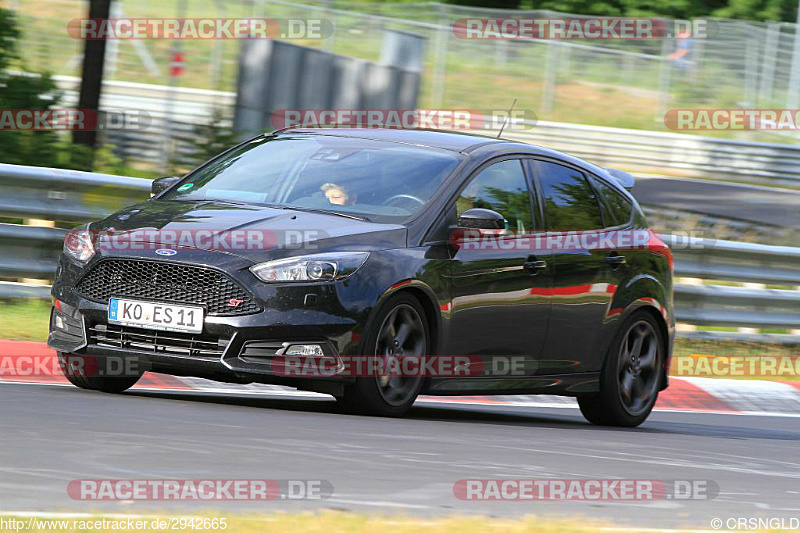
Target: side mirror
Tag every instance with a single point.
(160, 185)
(477, 218)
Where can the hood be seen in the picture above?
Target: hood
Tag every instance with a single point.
(251, 232)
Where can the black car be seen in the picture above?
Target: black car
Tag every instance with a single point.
(523, 269)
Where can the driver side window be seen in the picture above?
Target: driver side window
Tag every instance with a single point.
(500, 187)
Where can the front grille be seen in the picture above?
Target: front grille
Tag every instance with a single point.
(170, 282)
(158, 342)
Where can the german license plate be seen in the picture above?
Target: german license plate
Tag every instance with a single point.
(151, 315)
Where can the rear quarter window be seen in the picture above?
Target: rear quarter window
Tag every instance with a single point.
(617, 208)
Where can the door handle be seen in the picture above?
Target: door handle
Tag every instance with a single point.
(616, 260)
(535, 265)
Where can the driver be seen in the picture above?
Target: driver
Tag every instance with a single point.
(338, 194)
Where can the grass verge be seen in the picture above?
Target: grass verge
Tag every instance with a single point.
(731, 348)
(25, 320)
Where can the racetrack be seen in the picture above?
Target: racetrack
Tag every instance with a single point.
(52, 434)
(752, 203)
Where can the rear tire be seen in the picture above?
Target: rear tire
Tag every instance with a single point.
(76, 375)
(399, 329)
(631, 377)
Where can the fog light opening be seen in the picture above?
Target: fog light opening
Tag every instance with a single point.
(311, 350)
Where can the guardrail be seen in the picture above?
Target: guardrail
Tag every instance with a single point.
(750, 304)
(29, 251)
(65, 195)
(670, 153)
(32, 252)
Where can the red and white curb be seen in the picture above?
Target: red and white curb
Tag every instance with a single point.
(694, 394)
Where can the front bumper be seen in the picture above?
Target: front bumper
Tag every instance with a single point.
(235, 349)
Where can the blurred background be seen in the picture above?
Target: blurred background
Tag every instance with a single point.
(746, 62)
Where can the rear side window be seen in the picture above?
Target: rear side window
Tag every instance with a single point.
(569, 201)
(617, 207)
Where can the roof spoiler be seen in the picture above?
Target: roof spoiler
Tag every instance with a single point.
(622, 177)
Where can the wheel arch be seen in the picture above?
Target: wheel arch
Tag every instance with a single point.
(427, 299)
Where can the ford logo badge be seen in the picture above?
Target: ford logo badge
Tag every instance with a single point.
(166, 251)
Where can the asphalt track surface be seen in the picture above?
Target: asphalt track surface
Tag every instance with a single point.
(752, 203)
(50, 435)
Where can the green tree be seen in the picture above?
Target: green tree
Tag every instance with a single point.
(583, 7)
(778, 10)
(785, 10)
(24, 91)
(213, 138)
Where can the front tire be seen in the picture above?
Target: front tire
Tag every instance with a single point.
(631, 377)
(399, 330)
(74, 369)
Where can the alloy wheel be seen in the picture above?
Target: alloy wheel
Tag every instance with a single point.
(638, 367)
(401, 335)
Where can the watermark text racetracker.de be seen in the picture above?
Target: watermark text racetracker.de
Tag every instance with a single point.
(72, 120)
(582, 28)
(198, 28)
(221, 239)
(24, 367)
(440, 119)
(397, 365)
(761, 366)
(479, 239)
(547, 241)
(29, 366)
(199, 489)
(733, 119)
(584, 489)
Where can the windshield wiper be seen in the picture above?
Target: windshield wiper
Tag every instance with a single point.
(328, 212)
(219, 201)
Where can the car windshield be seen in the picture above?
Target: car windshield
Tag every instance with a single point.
(376, 180)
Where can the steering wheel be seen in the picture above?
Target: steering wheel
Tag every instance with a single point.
(404, 197)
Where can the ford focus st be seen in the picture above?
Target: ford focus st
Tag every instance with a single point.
(377, 265)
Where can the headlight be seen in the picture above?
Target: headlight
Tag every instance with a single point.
(78, 245)
(316, 267)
